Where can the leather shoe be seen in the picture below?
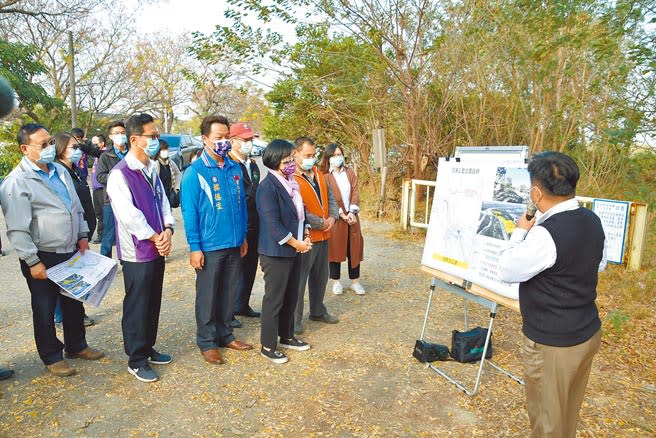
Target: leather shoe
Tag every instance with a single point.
(6, 373)
(239, 345)
(61, 368)
(212, 356)
(326, 317)
(86, 354)
(249, 313)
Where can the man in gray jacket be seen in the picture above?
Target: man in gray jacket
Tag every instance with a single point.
(45, 224)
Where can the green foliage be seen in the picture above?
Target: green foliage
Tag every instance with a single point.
(18, 63)
(617, 319)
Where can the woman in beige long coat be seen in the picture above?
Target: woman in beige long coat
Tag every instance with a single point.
(346, 242)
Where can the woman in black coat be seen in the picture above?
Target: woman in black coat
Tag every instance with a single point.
(68, 155)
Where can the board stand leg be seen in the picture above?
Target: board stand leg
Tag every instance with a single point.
(493, 312)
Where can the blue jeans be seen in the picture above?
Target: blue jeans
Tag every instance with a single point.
(109, 233)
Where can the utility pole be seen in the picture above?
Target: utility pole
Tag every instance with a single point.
(71, 79)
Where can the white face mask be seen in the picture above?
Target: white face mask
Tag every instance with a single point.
(337, 161)
(119, 139)
(247, 147)
(164, 154)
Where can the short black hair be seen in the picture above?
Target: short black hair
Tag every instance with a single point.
(300, 141)
(206, 124)
(114, 124)
(25, 131)
(275, 152)
(556, 173)
(101, 137)
(77, 132)
(163, 144)
(135, 123)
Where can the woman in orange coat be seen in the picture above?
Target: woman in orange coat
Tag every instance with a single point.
(346, 240)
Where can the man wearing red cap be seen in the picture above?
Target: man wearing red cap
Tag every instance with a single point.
(241, 137)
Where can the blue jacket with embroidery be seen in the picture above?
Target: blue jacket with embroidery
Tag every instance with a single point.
(213, 204)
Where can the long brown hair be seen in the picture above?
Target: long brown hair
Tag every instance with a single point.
(324, 165)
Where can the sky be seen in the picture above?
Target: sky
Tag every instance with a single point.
(181, 16)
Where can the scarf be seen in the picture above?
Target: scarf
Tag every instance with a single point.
(294, 192)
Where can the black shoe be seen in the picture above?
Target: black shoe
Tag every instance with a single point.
(88, 322)
(326, 317)
(235, 323)
(6, 373)
(294, 344)
(249, 313)
(274, 356)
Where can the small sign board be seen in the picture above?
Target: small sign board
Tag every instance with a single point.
(614, 217)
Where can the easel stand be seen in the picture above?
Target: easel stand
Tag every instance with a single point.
(485, 302)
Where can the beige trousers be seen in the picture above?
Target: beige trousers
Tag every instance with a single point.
(556, 378)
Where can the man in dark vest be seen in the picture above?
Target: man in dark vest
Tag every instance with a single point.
(556, 258)
(144, 226)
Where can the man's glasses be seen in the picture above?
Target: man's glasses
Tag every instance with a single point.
(45, 144)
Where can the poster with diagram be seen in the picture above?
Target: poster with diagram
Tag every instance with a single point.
(475, 208)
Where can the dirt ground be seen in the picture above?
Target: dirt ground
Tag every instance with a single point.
(359, 378)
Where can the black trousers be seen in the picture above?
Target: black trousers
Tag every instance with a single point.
(281, 279)
(98, 203)
(335, 267)
(141, 304)
(247, 274)
(216, 287)
(44, 298)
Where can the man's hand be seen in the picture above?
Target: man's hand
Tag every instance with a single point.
(524, 223)
(243, 249)
(328, 223)
(163, 243)
(38, 271)
(83, 245)
(197, 260)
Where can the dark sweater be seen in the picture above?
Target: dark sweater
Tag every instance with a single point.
(106, 163)
(558, 305)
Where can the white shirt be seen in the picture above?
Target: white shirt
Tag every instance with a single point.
(130, 217)
(531, 252)
(246, 162)
(344, 188)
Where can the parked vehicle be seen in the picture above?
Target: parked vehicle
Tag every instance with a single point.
(258, 147)
(177, 144)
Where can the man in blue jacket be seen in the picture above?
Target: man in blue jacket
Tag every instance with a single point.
(215, 218)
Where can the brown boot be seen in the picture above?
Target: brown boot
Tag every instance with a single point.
(212, 356)
(86, 354)
(61, 369)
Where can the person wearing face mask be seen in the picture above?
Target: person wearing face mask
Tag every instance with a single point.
(110, 158)
(321, 212)
(283, 239)
(98, 189)
(241, 137)
(46, 226)
(87, 149)
(555, 257)
(215, 220)
(144, 228)
(68, 153)
(169, 173)
(346, 240)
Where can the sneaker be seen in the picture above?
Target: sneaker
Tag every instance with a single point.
(6, 373)
(144, 373)
(159, 358)
(294, 344)
(326, 317)
(235, 323)
(338, 289)
(273, 355)
(88, 322)
(358, 289)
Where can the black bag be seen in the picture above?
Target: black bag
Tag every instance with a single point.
(174, 199)
(468, 346)
(427, 352)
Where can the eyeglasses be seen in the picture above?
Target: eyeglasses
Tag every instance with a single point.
(44, 145)
(150, 136)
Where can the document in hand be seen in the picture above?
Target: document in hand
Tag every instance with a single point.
(85, 277)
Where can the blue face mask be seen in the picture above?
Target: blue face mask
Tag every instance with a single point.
(75, 156)
(118, 152)
(307, 163)
(152, 147)
(47, 155)
(222, 147)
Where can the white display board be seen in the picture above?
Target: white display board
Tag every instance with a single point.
(614, 217)
(476, 204)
